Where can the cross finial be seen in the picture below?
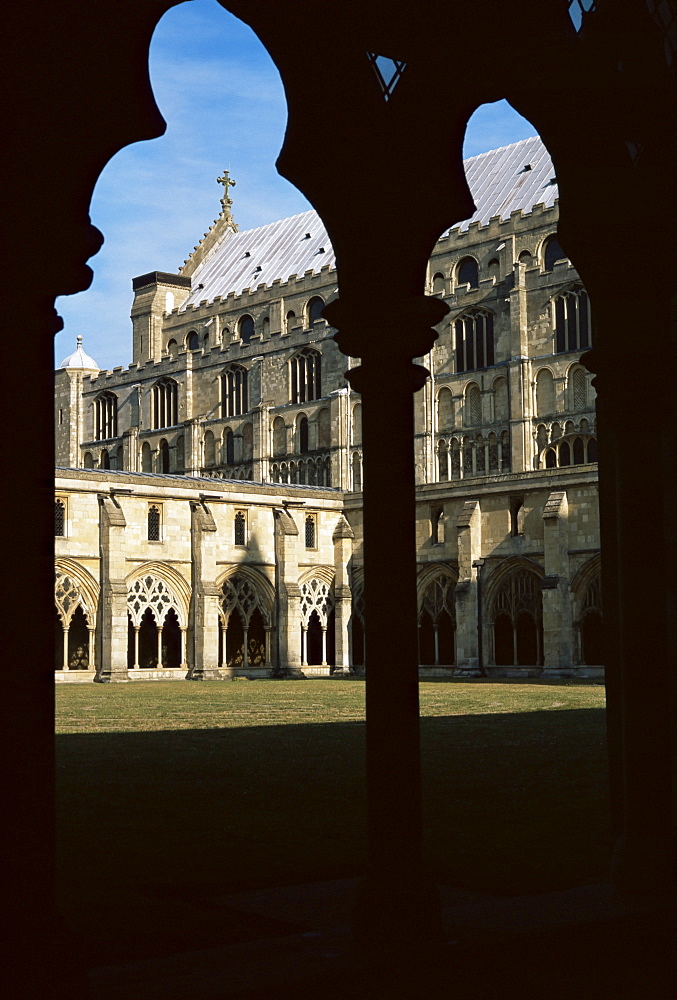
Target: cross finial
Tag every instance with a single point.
(226, 202)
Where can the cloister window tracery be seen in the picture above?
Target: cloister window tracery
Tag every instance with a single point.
(245, 624)
(517, 619)
(437, 622)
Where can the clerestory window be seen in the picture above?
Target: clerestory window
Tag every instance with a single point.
(234, 391)
(474, 340)
(106, 414)
(572, 320)
(165, 403)
(306, 376)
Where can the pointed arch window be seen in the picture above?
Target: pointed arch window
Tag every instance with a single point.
(230, 448)
(165, 403)
(306, 376)
(234, 391)
(310, 531)
(572, 320)
(303, 435)
(106, 414)
(474, 340)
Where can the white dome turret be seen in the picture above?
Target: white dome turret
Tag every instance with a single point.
(78, 359)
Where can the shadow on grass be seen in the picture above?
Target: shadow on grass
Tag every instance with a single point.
(152, 825)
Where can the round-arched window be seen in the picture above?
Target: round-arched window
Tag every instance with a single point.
(314, 309)
(552, 252)
(193, 341)
(246, 329)
(467, 272)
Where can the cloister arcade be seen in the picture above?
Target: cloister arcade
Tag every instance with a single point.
(157, 608)
(317, 618)
(246, 620)
(76, 596)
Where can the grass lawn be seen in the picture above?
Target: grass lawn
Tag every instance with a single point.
(172, 792)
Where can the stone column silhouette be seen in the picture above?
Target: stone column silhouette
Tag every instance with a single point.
(113, 627)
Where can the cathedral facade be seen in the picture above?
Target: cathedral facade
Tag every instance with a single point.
(208, 496)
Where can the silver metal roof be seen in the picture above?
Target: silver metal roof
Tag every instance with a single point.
(498, 182)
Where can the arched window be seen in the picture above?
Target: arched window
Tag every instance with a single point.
(474, 340)
(438, 284)
(550, 459)
(445, 409)
(180, 453)
(314, 310)
(437, 619)
(324, 428)
(525, 258)
(163, 452)
(572, 320)
(473, 406)
(443, 462)
(290, 321)
(245, 328)
(564, 453)
(88, 460)
(119, 457)
(172, 349)
(279, 437)
(165, 403)
(545, 393)
(500, 387)
(552, 252)
(357, 423)
(303, 435)
(265, 327)
(467, 272)
(193, 341)
(146, 458)
(592, 449)
(306, 377)
(230, 448)
(209, 449)
(579, 390)
(234, 391)
(310, 531)
(154, 523)
(106, 413)
(104, 460)
(247, 442)
(59, 518)
(240, 532)
(494, 268)
(205, 340)
(357, 471)
(578, 451)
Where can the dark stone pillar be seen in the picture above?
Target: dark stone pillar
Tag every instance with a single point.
(397, 906)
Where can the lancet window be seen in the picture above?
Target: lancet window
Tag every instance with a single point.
(59, 518)
(234, 391)
(154, 522)
(165, 403)
(240, 528)
(572, 320)
(106, 416)
(310, 531)
(306, 376)
(474, 340)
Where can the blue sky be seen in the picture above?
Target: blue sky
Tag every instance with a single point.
(223, 102)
